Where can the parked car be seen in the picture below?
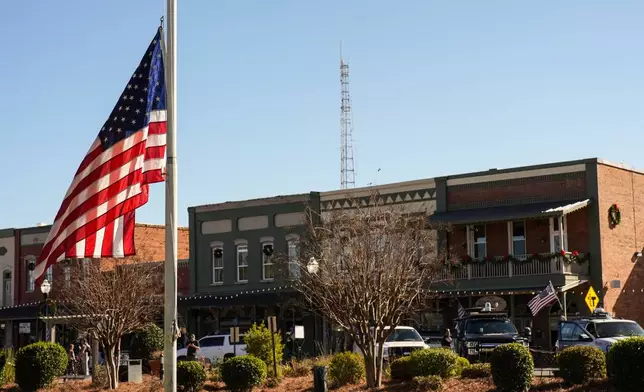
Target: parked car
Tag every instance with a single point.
(402, 341)
(433, 340)
(215, 348)
(481, 331)
(599, 330)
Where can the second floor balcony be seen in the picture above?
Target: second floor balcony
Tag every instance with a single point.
(467, 268)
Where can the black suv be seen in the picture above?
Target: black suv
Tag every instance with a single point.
(479, 332)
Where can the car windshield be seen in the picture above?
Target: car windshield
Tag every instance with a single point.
(404, 335)
(617, 329)
(486, 326)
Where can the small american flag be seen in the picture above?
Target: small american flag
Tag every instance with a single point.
(461, 311)
(96, 218)
(546, 297)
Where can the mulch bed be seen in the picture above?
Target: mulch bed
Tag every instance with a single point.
(304, 384)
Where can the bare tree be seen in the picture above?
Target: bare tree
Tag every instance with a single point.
(366, 268)
(108, 304)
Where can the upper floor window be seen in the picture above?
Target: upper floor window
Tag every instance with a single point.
(67, 275)
(558, 235)
(518, 238)
(30, 263)
(217, 249)
(268, 267)
(49, 274)
(477, 243)
(242, 263)
(293, 245)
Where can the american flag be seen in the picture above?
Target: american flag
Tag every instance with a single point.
(461, 311)
(546, 297)
(96, 218)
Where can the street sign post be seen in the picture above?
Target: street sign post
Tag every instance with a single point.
(591, 299)
(272, 327)
(234, 338)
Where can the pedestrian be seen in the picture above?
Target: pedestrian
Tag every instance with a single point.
(84, 357)
(193, 347)
(72, 359)
(447, 339)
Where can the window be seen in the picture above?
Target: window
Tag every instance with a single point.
(85, 265)
(212, 341)
(241, 340)
(242, 263)
(477, 241)
(67, 275)
(217, 262)
(49, 274)
(31, 283)
(518, 238)
(558, 235)
(268, 269)
(292, 241)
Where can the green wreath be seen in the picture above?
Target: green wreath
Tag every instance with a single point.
(614, 215)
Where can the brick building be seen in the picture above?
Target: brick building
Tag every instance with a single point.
(20, 296)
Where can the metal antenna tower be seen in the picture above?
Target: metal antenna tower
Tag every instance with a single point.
(347, 172)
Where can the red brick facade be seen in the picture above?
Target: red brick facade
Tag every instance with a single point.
(546, 187)
(619, 244)
(150, 247)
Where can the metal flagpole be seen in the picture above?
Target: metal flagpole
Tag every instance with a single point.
(170, 295)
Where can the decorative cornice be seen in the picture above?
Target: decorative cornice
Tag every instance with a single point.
(519, 181)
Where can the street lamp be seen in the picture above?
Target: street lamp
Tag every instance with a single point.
(313, 267)
(45, 288)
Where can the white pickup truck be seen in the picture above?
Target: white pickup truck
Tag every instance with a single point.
(215, 348)
(402, 341)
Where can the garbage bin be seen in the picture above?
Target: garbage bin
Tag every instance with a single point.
(135, 371)
(319, 379)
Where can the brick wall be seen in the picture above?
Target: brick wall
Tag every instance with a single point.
(566, 186)
(537, 236)
(578, 230)
(618, 245)
(497, 238)
(150, 247)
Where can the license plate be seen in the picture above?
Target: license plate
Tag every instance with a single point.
(487, 350)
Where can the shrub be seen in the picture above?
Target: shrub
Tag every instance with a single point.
(99, 377)
(401, 369)
(461, 364)
(299, 368)
(434, 362)
(512, 367)
(346, 368)
(428, 383)
(477, 370)
(243, 373)
(260, 345)
(625, 363)
(147, 341)
(190, 376)
(38, 364)
(580, 364)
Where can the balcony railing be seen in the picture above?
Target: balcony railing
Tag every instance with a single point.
(526, 265)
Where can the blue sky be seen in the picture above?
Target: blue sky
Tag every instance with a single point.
(437, 88)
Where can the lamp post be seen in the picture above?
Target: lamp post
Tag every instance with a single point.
(45, 288)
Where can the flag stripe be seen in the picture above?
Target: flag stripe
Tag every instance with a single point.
(97, 215)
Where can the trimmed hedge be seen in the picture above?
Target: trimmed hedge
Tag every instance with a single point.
(461, 364)
(401, 369)
(477, 370)
(243, 373)
(39, 364)
(147, 341)
(434, 362)
(191, 376)
(625, 364)
(346, 368)
(580, 364)
(512, 368)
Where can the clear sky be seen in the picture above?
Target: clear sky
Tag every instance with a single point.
(437, 88)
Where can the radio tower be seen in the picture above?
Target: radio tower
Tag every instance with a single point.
(347, 172)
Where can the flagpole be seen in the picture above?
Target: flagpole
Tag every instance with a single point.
(170, 287)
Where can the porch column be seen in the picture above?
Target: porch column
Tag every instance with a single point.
(512, 311)
(94, 348)
(564, 305)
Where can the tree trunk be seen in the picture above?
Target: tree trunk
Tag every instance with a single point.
(370, 369)
(112, 367)
(379, 363)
